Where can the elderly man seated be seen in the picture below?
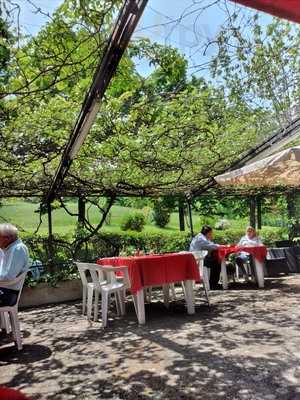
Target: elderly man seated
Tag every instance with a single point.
(13, 262)
(203, 241)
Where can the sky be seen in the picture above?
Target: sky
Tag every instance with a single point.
(173, 22)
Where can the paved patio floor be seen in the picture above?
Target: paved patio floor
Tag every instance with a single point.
(247, 346)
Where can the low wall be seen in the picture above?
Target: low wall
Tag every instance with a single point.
(44, 294)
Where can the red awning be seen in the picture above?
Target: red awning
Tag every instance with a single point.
(288, 9)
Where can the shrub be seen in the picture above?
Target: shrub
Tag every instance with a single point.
(161, 215)
(222, 224)
(134, 222)
(109, 244)
(269, 235)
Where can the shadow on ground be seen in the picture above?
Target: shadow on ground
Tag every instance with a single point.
(246, 346)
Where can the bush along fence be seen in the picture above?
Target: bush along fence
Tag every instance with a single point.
(60, 252)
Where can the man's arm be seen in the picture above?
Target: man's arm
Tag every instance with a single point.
(201, 244)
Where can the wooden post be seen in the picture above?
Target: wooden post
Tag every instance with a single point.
(181, 214)
(252, 210)
(190, 217)
(258, 206)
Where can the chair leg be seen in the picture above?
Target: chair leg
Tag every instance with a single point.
(148, 294)
(89, 302)
(5, 322)
(84, 295)
(104, 306)
(16, 329)
(183, 288)
(96, 305)
(173, 293)
(237, 272)
(206, 293)
(121, 301)
(118, 304)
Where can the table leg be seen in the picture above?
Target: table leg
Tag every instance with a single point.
(259, 272)
(224, 274)
(189, 296)
(139, 305)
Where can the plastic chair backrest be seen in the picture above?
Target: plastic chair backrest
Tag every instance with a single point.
(109, 275)
(82, 268)
(95, 272)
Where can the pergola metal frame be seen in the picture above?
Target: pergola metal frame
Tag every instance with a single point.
(126, 22)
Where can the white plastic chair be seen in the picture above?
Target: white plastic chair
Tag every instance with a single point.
(82, 269)
(104, 282)
(9, 314)
(204, 271)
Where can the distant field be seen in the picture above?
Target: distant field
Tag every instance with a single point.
(24, 216)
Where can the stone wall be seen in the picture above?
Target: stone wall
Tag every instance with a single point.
(44, 294)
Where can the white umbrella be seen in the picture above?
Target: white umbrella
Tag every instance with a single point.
(280, 169)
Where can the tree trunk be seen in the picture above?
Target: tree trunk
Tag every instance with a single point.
(81, 210)
(252, 212)
(258, 205)
(292, 214)
(181, 214)
(50, 240)
(190, 217)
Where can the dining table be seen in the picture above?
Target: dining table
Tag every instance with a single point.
(158, 270)
(258, 253)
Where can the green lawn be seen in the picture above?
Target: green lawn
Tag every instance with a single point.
(24, 216)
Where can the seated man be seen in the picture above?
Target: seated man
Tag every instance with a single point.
(13, 262)
(250, 239)
(203, 241)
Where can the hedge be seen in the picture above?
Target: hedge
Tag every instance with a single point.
(107, 244)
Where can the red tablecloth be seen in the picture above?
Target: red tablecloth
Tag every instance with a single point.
(258, 252)
(152, 270)
(11, 394)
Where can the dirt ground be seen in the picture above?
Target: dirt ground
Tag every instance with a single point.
(247, 346)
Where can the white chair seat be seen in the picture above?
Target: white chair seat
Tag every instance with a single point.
(112, 286)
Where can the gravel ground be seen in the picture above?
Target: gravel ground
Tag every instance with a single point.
(247, 346)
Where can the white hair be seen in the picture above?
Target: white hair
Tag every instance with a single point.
(9, 230)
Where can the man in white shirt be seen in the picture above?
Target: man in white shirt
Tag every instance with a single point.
(13, 262)
(203, 241)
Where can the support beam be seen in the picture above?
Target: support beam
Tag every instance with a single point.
(127, 20)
